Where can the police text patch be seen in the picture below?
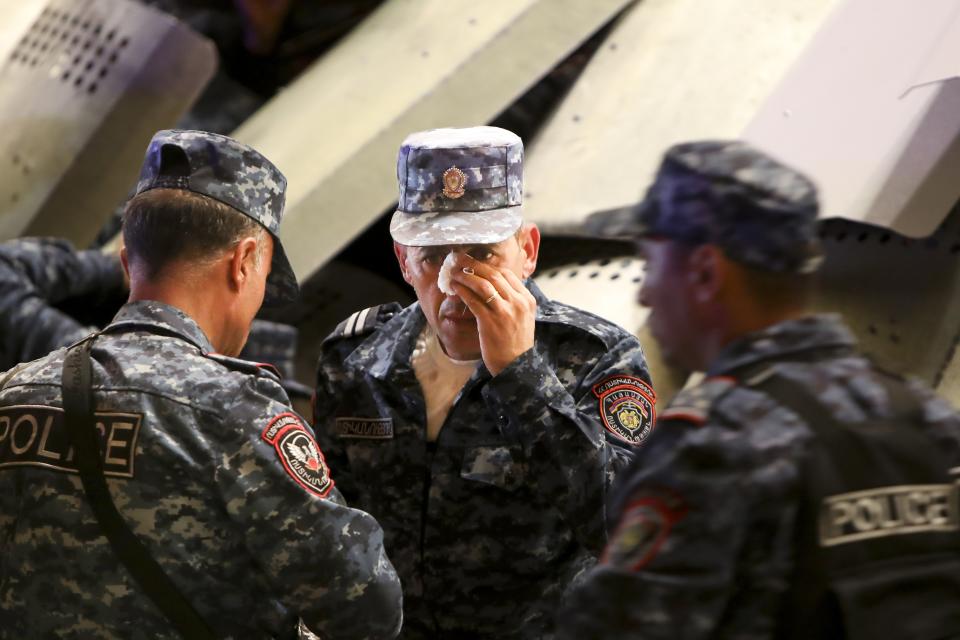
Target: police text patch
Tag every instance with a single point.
(627, 407)
(299, 453)
(365, 428)
(889, 511)
(36, 436)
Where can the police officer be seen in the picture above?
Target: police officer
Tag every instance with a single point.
(44, 282)
(798, 491)
(482, 426)
(35, 275)
(206, 463)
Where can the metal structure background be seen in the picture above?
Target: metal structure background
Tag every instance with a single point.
(670, 70)
(901, 296)
(411, 65)
(81, 93)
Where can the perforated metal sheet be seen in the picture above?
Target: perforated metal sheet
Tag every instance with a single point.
(900, 296)
(81, 92)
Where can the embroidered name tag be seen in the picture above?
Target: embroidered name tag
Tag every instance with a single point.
(365, 428)
(889, 511)
(35, 436)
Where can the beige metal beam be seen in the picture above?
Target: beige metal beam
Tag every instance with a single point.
(671, 70)
(413, 64)
(871, 111)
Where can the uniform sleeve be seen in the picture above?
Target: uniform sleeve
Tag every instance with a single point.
(325, 560)
(570, 451)
(702, 543)
(36, 273)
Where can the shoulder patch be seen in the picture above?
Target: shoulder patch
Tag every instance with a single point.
(299, 453)
(693, 404)
(643, 528)
(263, 369)
(362, 322)
(628, 407)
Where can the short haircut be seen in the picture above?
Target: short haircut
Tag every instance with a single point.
(779, 290)
(162, 226)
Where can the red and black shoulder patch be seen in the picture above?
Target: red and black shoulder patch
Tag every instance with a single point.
(644, 527)
(299, 453)
(628, 407)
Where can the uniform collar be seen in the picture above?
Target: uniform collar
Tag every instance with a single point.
(160, 317)
(390, 347)
(788, 338)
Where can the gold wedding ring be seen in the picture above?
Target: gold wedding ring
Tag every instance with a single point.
(490, 299)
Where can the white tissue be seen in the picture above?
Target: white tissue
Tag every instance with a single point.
(446, 270)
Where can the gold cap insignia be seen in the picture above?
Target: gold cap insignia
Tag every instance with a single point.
(454, 183)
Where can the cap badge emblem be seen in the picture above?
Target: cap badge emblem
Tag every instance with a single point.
(454, 183)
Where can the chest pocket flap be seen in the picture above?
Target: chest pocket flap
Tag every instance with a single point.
(493, 465)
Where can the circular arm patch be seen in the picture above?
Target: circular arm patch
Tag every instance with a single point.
(299, 453)
(627, 407)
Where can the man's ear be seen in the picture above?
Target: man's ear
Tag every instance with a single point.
(400, 251)
(125, 265)
(706, 270)
(530, 245)
(243, 262)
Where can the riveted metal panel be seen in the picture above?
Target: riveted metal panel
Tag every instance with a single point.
(82, 90)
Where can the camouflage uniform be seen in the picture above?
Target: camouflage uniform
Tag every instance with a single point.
(36, 273)
(205, 459)
(705, 543)
(488, 524)
(705, 522)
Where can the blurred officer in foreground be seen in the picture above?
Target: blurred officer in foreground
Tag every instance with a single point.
(482, 427)
(798, 491)
(210, 470)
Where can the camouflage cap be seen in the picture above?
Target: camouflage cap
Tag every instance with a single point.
(233, 173)
(759, 211)
(459, 186)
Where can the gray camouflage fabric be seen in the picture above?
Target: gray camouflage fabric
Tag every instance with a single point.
(233, 173)
(486, 206)
(761, 212)
(714, 492)
(249, 547)
(488, 525)
(36, 273)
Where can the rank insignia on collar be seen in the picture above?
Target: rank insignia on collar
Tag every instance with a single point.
(627, 407)
(454, 183)
(299, 453)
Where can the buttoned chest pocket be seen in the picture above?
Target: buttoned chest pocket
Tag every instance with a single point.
(492, 465)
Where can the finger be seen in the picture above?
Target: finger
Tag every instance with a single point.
(477, 284)
(476, 302)
(515, 282)
(475, 269)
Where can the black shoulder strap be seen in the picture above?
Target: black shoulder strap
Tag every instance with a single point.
(81, 427)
